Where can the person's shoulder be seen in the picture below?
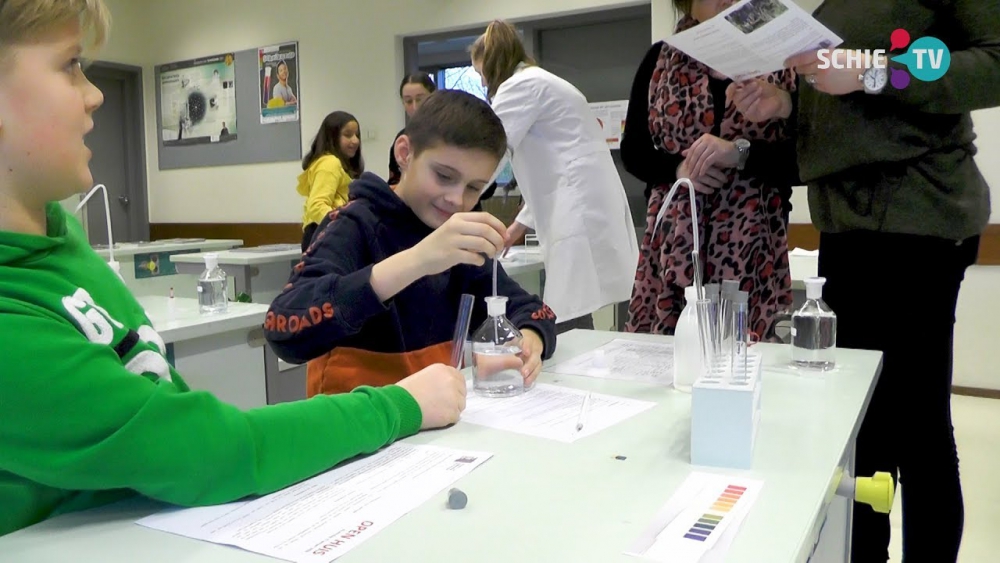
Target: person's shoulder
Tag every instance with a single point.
(328, 163)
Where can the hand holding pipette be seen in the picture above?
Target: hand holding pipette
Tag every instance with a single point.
(465, 238)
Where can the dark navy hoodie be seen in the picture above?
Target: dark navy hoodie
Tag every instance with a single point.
(330, 316)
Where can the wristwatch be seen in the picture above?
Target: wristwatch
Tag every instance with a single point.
(743, 147)
(874, 79)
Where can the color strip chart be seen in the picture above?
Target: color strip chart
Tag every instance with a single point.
(703, 516)
(709, 521)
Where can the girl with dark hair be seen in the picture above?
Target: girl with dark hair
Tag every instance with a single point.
(332, 162)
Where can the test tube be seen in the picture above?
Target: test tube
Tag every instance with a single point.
(461, 330)
(741, 338)
(705, 322)
(729, 290)
(712, 294)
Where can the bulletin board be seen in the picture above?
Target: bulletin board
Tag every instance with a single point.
(249, 142)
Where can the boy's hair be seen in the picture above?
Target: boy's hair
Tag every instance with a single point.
(500, 50)
(418, 77)
(456, 119)
(327, 141)
(22, 21)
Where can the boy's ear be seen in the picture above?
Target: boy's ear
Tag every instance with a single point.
(404, 152)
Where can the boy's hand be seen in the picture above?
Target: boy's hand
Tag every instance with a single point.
(531, 354)
(462, 239)
(440, 392)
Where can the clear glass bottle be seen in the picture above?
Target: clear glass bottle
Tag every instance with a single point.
(496, 349)
(814, 330)
(213, 287)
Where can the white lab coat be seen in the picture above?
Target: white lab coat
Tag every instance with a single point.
(574, 198)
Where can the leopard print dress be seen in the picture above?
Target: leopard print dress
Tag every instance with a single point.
(742, 228)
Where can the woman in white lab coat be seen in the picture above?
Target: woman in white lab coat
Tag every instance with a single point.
(573, 196)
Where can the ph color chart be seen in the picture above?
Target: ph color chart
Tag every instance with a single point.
(709, 521)
(702, 517)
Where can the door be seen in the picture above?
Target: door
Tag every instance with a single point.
(119, 160)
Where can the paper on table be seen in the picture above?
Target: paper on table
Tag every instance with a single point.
(754, 37)
(323, 518)
(552, 412)
(700, 521)
(629, 360)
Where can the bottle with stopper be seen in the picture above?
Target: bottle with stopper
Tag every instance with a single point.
(496, 350)
(212, 287)
(814, 330)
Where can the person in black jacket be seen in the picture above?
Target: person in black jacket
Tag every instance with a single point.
(413, 90)
(377, 293)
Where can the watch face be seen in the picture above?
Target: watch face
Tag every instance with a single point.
(876, 79)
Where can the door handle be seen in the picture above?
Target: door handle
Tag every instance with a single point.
(123, 199)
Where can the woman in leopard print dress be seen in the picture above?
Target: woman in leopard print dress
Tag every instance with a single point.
(678, 115)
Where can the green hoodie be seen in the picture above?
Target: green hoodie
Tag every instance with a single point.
(90, 412)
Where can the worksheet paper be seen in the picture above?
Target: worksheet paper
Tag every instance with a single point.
(323, 518)
(629, 360)
(700, 521)
(754, 37)
(551, 412)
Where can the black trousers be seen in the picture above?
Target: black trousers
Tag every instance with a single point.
(897, 294)
(307, 235)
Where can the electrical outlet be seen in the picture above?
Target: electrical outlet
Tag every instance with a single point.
(370, 134)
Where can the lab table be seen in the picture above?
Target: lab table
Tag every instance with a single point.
(261, 272)
(224, 353)
(539, 500)
(146, 267)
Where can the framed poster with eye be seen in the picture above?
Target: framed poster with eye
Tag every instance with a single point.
(198, 101)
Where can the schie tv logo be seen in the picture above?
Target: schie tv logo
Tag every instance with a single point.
(927, 59)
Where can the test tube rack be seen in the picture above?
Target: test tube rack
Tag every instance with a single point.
(725, 412)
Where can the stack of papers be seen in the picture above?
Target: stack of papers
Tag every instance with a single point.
(754, 37)
(319, 520)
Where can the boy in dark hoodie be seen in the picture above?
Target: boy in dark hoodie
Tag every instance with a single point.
(90, 410)
(377, 293)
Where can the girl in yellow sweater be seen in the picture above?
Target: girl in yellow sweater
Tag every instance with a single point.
(332, 162)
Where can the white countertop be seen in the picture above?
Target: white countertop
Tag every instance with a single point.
(538, 500)
(128, 249)
(250, 256)
(521, 261)
(181, 320)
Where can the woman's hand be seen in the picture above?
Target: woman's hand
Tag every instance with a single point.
(515, 235)
(712, 180)
(832, 80)
(710, 151)
(759, 100)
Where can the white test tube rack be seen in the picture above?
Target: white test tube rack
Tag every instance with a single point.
(726, 397)
(725, 412)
